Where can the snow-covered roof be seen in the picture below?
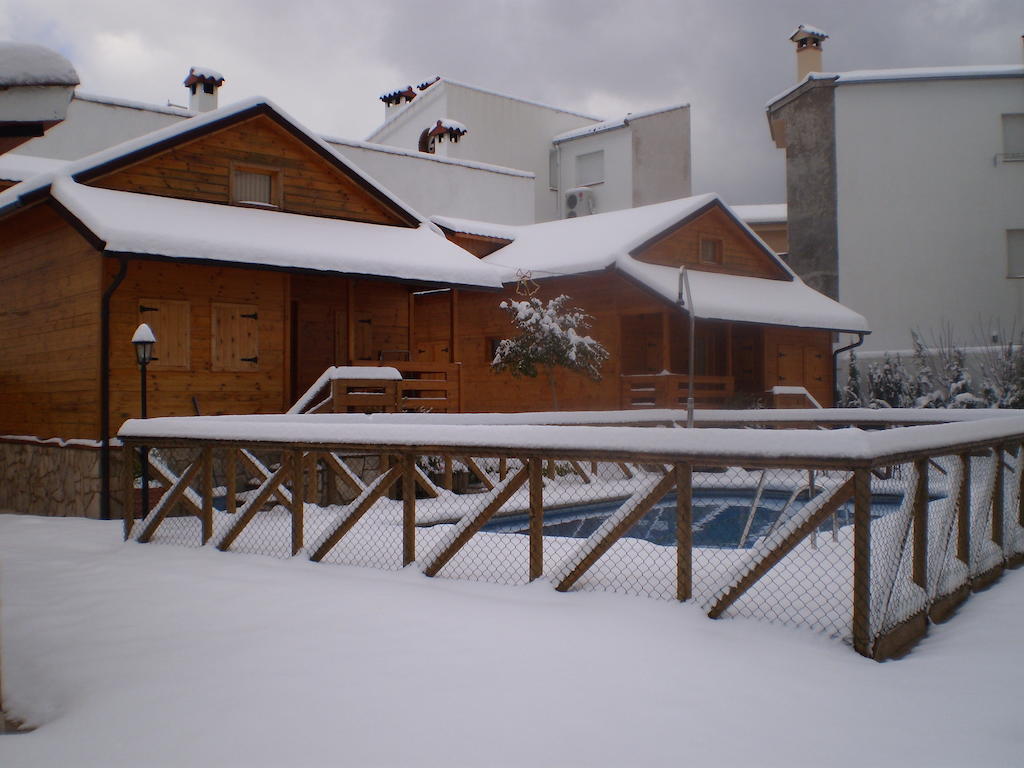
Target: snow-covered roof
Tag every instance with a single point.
(611, 125)
(480, 228)
(766, 213)
(861, 76)
(177, 131)
(428, 95)
(130, 104)
(606, 240)
(425, 156)
(807, 29)
(30, 64)
(128, 222)
(15, 167)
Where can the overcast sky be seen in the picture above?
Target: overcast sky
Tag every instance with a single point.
(327, 61)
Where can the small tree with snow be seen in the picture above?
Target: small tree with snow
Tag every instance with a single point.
(943, 380)
(549, 338)
(851, 396)
(889, 384)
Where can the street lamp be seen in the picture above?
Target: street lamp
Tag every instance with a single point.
(143, 340)
(684, 289)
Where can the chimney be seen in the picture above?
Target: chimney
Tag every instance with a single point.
(808, 50)
(202, 84)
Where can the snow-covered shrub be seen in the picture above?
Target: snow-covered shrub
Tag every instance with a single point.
(889, 384)
(851, 396)
(942, 379)
(549, 338)
(1002, 372)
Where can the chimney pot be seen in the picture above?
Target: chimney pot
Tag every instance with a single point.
(203, 84)
(808, 41)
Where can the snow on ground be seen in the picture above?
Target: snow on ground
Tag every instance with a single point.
(129, 654)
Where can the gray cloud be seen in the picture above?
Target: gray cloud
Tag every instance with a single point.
(326, 62)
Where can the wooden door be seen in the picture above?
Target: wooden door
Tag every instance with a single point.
(314, 343)
(641, 344)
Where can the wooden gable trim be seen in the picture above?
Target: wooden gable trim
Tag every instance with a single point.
(339, 165)
(741, 228)
(478, 245)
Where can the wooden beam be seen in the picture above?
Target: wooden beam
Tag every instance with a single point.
(297, 468)
(350, 318)
(578, 469)
(666, 347)
(608, 538)
(423, 482)
(963, 511)
(684, 531)
(253, 505)
(412, 325)
(770, 559)
(257, 466)
(536, 518)
(998, 496)
(861, 619)
(374, 491)
(168, 500)
(231, 481)
(169, 479)
(478, 520)
(206, 519)
(475, 469)
(920, 529)
(409, 509)
(453, 329)
(338, 467)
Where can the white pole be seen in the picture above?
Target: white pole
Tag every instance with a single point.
(684, 285)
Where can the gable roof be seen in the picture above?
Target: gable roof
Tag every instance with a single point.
(589, 244)
(172, 228)
(437, 86)
(126, 153)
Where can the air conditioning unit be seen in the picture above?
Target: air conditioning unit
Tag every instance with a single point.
(579, 202)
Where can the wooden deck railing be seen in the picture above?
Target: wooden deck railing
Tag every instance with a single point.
(670, 390)
(424, 387)
(918, 517)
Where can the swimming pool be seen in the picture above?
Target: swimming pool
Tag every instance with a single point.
(719, 517)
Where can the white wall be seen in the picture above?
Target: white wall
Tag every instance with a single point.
(434, 187)
(92, 125)
(923, 209)
(616, 191)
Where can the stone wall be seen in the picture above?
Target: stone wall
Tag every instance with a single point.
(51, 478)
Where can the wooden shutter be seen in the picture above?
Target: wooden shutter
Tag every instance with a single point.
(170, 321)
(234, 337)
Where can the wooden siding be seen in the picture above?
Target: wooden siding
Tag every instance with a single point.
(216, 391)
(49, 328)
(740, 253)
(200, 169)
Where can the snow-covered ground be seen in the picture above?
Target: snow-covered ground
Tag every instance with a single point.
(146, 655)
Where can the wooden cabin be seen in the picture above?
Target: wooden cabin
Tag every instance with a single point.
(757, 324)
(258, 256)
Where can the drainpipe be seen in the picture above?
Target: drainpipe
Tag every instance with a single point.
(835, 364)
(105, 388)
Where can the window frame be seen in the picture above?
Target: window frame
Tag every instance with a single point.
(717, 258)
(582, 182)
(1010, 253)
(276, 192)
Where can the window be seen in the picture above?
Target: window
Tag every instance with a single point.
(1013, 137)
(169, 320)
(1014, 253)
(710, 250)
(553, 169)
(590, 168)
(234, 337)
(257, 187)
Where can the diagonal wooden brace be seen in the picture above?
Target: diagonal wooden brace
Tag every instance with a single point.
(173, 495)
(477, 521)
(374, 491)
(253, 505)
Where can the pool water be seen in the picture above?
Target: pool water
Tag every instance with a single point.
(719, 517)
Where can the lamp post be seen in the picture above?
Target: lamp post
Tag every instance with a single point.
(144, 341)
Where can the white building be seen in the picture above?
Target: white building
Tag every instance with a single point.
(578, 160)
(906, 196)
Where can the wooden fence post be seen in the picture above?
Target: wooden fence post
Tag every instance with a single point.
(448, 481)
(207, 481)
(963, 512)
(297, 468)
(409, 510)
(998, 496)
(861, 624)
(536, 519)
(684, 531)
(920, 532)
(231, 479)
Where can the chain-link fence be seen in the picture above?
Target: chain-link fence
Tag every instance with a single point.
(865, 553)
